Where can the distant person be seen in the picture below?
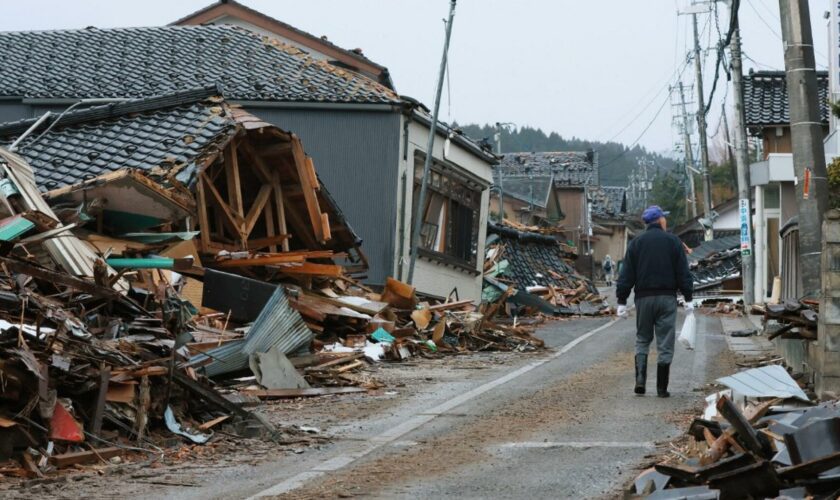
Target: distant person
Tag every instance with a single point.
(609, 269)
(655, 268)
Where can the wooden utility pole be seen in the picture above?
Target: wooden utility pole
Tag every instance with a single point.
(742, 162)
(807, 137)
(701, 125)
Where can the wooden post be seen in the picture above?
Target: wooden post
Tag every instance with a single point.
(99, 409)
(203, 220)
(143, 402)
(281, 211)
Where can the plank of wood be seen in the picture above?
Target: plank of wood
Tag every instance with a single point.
(301, 393)
(338, 361)
(257, 208)
(309, 195)
(270, 232)
(99, 406)
(325, 226)
(313, 269)
(262, 261)
(234, 183)
(84, 457)
(203, 220)
(745, 432)
(216, 421)
(281, 211)
(351, 366)
(232, 220)
(451, 305)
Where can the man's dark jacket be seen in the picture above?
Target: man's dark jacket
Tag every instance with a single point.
(655, 264)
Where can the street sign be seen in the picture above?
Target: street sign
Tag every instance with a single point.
(744, 220)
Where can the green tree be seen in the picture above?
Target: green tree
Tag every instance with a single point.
(668, 191)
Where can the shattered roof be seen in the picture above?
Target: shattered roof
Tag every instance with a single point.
(715, 261)
(569, 168)
(146, 134)
(145, 62)
(608, 202)
(766, 98)
(534, 257)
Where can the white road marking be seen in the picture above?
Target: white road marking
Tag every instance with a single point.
(580, 444)
(416, 422)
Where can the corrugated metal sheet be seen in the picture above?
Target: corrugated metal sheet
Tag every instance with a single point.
(278, 325)
(356, 154)
(771, 381)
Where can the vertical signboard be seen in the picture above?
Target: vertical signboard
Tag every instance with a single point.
(744, 222)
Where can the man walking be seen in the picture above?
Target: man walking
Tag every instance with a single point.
(655, 268)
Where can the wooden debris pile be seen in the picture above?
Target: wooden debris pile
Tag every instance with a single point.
(761, 438)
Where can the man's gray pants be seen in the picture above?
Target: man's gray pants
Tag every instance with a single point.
(656, 316)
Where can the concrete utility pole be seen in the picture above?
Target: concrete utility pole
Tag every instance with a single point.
(742, 161)
(807, 137)
(701, 125)
(427, 165)
(689, 155)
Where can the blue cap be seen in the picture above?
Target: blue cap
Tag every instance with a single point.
(653, 213)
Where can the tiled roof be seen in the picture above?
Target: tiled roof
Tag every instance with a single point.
(150, 134)
(534, 259)
(569, 168)
(145, 62)
(715, 261)
(353, 54)
(608, 202)
(766, 98)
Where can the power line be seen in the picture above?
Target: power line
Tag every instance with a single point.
(647, 127)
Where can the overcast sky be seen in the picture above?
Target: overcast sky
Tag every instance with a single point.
(594, 69)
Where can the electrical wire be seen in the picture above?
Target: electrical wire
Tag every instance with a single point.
(639, 138)
(778, 35)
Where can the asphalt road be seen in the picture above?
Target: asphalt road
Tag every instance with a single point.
(568, 428)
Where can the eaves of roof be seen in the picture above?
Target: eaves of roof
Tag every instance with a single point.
(413, 112)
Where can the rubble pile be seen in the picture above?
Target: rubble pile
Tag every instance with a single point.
(163, 299)
(791, 319)
(762, 437)
(540, 271)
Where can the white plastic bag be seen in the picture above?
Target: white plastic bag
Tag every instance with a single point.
(688, 334)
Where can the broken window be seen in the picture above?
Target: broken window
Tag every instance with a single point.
(451, 213)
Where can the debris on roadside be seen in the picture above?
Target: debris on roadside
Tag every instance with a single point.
(149, 299)
(791, 319)
(761, 437)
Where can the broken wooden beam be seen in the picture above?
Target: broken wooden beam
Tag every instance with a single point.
(302, 393)
(84, 457)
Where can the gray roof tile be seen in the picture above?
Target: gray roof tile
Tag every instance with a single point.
(766, 98)
(569, 168)
(144, 62)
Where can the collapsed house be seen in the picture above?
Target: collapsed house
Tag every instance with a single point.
(367, 140)
(716, 266)
(540, 271)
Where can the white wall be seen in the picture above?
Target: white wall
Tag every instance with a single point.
(728, 219)
(432, 277)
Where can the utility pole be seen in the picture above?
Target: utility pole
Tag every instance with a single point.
(742, 162)
(689, 154)
(807, 137)
(701, 125)
(427, 165)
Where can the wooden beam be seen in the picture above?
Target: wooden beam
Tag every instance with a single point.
(256, 209)
(259, 164)
(203, 220)
(280, 205)
(280, 258)
(232, 220)
(99, 408)
(313, 269)
(84, 457)
(299, 393)
(303, 170)
(270, 232)
(234, 183)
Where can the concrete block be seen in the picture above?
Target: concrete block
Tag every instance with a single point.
(831, 232)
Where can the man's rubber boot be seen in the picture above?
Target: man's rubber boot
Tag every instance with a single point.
(662, 373)
(641, 373)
